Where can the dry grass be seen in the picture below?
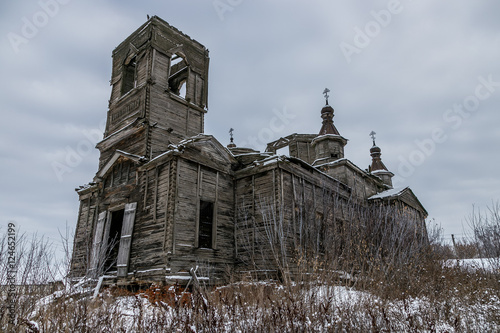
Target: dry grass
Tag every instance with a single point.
(438, 299)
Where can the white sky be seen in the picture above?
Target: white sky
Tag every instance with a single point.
(405, 76)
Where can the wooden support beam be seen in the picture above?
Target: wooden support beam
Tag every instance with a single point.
(167, 194)
(146, 182)
(156, 194)
(197, 205)
(175, 204)
(216, 204)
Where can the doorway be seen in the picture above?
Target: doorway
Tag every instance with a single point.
(113, 241)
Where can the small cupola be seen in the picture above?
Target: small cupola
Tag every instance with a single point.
(378, 167)
(329, 144)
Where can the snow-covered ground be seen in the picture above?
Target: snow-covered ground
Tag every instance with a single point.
(272, 307)
(486, 264)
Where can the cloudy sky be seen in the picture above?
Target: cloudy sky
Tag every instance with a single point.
(422, 74)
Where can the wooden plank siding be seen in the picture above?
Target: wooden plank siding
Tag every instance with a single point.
(200, 182)
(274, 204)
(84, 231)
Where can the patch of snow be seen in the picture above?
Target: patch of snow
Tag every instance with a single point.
(185, 277)
(474, 264)
(389, 193)
(380, 171)
(330, 163)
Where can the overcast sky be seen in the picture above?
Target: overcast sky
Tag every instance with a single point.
(424, 75)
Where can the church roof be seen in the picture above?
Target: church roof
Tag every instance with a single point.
(405, 195)
(118, 153)
(203, 148)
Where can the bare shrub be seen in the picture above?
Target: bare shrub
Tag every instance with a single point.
(36, 271)
(486, 233)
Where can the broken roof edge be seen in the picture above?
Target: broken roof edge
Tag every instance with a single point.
(155, 21)
(178, 149)
(111, 161)
(277, 159)
(285, 140)
(120, 133)
(83, 189)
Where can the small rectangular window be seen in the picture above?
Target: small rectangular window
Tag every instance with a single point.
(205, 224)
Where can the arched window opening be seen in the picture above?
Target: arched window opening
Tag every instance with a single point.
(178, 75)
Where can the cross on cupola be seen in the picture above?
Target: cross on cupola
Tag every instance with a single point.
(231, 144)
(378, 167)
(372, 134)
(325, 92)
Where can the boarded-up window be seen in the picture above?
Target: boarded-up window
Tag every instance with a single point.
(205, 230)
(126, 239)
(96, 244)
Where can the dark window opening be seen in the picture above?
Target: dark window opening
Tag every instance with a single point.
(205, 224)
(334, 155)
(129, 76)
(178, 76)
(113, 241)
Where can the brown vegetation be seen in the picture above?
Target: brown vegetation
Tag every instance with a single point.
(369, 289)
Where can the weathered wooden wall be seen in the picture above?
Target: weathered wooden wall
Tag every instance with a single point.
(82, 242)
(133, 144)
(275, 206)
(199, 182)
(361, 184)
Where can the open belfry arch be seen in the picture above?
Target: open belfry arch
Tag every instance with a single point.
(167, 198)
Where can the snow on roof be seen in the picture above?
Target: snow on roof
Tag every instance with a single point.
(172, 149)
(270, 160)
(84, 187)
(196, 138)
(329, 163)
(328, 136)
(130, 155)
(335, 136)
(389, 193)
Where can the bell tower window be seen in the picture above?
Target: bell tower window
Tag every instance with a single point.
(178, 75)
(129, 76)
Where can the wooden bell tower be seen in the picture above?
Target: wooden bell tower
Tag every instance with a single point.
(159, 91)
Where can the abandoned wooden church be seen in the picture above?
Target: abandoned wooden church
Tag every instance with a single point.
(167, 198)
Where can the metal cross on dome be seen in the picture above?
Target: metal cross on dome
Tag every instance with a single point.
(372, 134)
(231, 130)
(325, 92)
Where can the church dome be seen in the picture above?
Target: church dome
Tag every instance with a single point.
(375, 149)
(326, 108)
